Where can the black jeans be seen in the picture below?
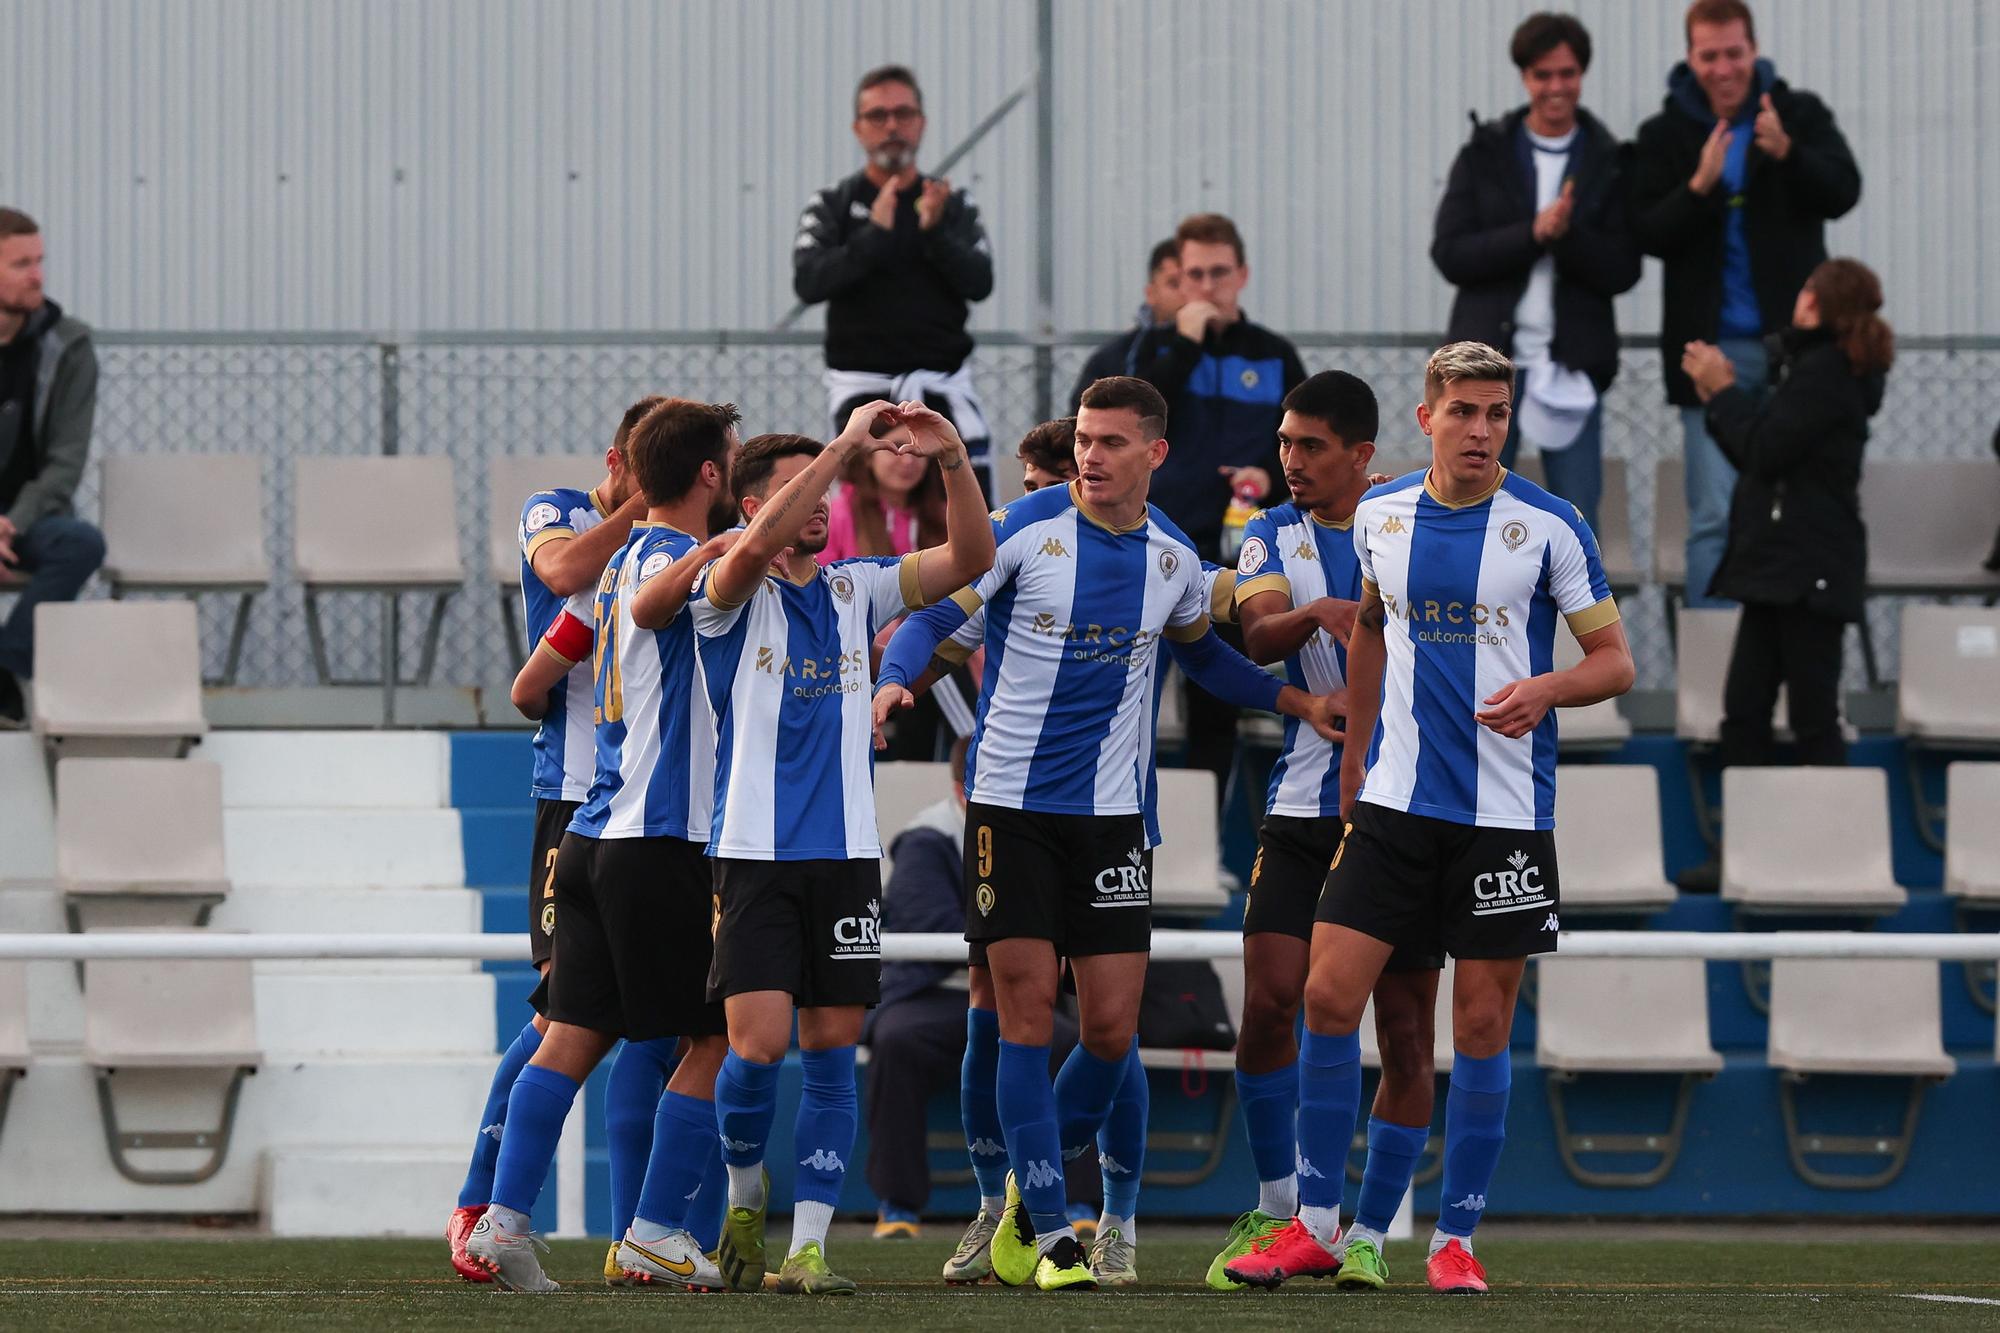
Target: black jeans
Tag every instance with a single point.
(1800, 649)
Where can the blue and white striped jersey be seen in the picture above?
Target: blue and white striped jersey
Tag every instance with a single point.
(1075, 611)
(564, 755)
(655, 734)
(787, 674)
(1471, 592)
(1289, 550)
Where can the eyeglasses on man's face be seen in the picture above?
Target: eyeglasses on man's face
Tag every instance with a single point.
(877, 117)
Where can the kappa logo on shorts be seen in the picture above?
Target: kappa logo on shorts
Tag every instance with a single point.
(1126, 885)
(859, 936)
(1552, 924)
(1517, 889)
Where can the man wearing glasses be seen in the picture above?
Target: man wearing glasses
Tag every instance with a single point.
(896, 256)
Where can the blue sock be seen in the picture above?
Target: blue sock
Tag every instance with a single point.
(984, 1142)
(1027, 1104)
(746, 1102)
(478, 1188)
(1393, 1151)
(1329, 1104)
(1271, 1118)
(1475, 1126)
(1121, 1144)
(683, 1146)
(536, 1110)
(639, 1075)
(704, 1219)
(823, 1134)
(1085, 1086)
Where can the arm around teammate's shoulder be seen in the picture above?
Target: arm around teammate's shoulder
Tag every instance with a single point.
(968, 548)
(660, 598)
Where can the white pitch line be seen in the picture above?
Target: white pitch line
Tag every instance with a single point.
(1948, 1300)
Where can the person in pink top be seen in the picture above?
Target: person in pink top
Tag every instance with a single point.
(885, 506)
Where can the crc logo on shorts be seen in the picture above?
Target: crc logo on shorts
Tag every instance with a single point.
(1169, 562)
(1514, 534)
(549, 919)
(859, 936)
(1124, 885)
(1519, 888)
(1252, 557)
(539, 516)
(653, 564)
(843, 587)
(982, 898)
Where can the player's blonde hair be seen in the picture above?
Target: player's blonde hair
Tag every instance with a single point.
(1464, 361)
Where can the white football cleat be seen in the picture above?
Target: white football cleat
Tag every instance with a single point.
(509, 1257)
(674, 1260)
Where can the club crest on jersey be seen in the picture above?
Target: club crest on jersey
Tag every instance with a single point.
(653, 564)
(843, 587)
(1392, 525)
(1169, 562)
(539, 516)
(1252, 557)
(549, 920)
(1054, 546)
(1514, 534)
(1248, 378)
(983, 899)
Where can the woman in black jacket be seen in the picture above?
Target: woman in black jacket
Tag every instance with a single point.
(1797, 556)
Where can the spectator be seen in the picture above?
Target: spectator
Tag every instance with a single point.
(888, 504)
(1048, 454)
(896, 256)
(1732, 184)
(48, 397)
(1533, 233)
(1797, 555)
(1157, 307)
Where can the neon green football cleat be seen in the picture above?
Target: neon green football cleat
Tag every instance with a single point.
(1065, 1268)
(1013, 1249)
(740, 1255)
(1362, 1268)
(806, 1274)
(1250, 1228)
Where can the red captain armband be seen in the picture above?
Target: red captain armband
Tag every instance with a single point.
(569, 638)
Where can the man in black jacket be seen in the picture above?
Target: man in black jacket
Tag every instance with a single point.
(1157, 307)
(896, 256)
(1532, 231)
(48, 400)
(1732, 184)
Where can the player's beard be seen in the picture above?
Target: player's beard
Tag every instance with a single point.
(811, 545)
(892, 157)
(722, 515)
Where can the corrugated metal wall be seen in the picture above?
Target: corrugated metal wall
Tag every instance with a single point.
(555, 164)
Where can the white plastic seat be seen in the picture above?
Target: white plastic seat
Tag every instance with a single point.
(139, 830)
(1703, 642)
(1187, 867)
(1808, 840)
(178, 1016)
(1595, 726)
(377, 525)
(1609, 840)
(1950, 687)
(902, 789)
(1870, 1016)
(1614, 521)
(117, 677)
(1930, 524)
(1670, 525)
(1972, 833)
(509, 483)
(187, 523)
(13, 1031)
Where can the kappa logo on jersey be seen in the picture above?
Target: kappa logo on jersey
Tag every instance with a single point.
(1252, 557)
(653, 564)
(1516, 889)
(540, 516)
(1472, 1203)
(1513, 534)
(1040, 1175)
(822, 1160)
(1392, 525)
(1126, 885)
(1054, 546)
(1305, 550)
(859, 936)
(998, 515)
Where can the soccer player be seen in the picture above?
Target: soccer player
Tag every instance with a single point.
(566, 537)
(1450, 836)
(630, 878)
(784, 653)
(1298, 587)
(1088, 580)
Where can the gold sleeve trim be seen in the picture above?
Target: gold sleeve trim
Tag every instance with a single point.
(544, 537)
(1248, 588)
(1593, 618)
(546, 647)
(953, 654)
(1370, 587)
(968, 601)
(1222, 597)
(1188, 633)
(909, 583)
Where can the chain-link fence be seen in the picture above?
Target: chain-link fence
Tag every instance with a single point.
(477, 398)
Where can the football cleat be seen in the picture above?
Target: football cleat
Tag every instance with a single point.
(509, 1257)
(1453, 1269)
(1065, 1268)
(972, 1261)
(463, 1220)
(806, 1274)
(675, 1260)
(1253, 1226)
(896, 1228)
(614, 1275)
(1362, 1268)
(740, 1253)
(1292, 1252)
(1013, 1246)
(1114, 1261)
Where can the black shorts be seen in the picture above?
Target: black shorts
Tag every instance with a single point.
(551, 822)
(813, 928)
(1082, 882)
(633, 955)
(1424, 883)
(1289, 877)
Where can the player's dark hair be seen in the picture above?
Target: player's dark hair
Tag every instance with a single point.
(13, 222)
(1115, 391)
(1719, 12)
(633, 416)
(882, 74)
(1165, 250)
(668, 445)
(1342, 402)
(1212, 229)
(1542, 33)
(1051, 447)
(758, 459)
(1849, 294)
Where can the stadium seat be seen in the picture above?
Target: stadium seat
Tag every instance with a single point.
(1670, 528)
(158, 1020)
(1585, 1025)
(901, 790)
(13, 1031)
(1930, 525)
(510, 481)
(1945, 699)
(188, 523)
(117, 678)
(1598, 726)
(1849, 1016)
(1608, 836)
(1972, 833)
(139, 832)
(1187, 868)
(1816, 842)
(381, 526)
(1614, 522)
